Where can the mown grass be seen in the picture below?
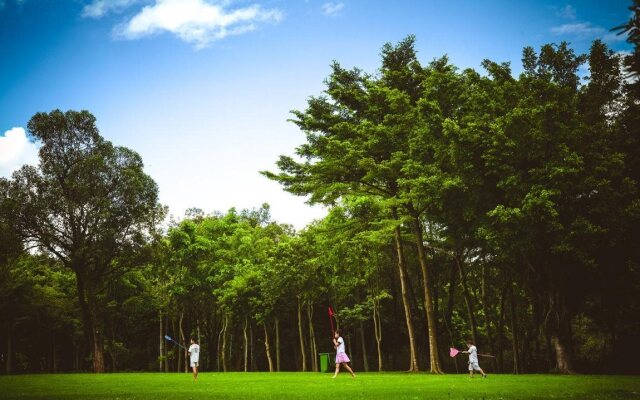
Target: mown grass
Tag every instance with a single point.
(293, 385)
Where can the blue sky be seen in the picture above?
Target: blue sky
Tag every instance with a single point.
(202, 89)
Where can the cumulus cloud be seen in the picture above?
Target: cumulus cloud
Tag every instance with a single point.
(332, 9)
(198, 22)
(100, 8)
(15, 151)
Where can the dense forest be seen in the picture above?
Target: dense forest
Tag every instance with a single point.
(461, 204)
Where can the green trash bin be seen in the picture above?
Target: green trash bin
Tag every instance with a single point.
(324, 361)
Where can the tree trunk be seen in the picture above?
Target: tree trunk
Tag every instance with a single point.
(231, 350)
(277, 344)
(252, 353)
(365, 362)
(312, 339)
(266, 347)
(224, 343)
(113, 350)
(467, 300)
(485, 309)
(166, 345)
(432, 321)
(514, 333)
(89, 308)
(198, 331)
(302, 346)
(448, 314)
(183, 342)
(500, 332)
(377, 329)
(76, 356)
(9, 364)
(246, 345)
(563, 360)
(54, 353)
(161, 358)
(218, 345)
(560, 333)
(402, 270)
(97, 338)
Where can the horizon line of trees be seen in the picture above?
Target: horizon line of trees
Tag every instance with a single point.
(461, 205)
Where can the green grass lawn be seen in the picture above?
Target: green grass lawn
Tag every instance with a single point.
(295, 385)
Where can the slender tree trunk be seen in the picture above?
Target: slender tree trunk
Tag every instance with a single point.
(402, 270)
(224, 343)
(218, 347)
(514, 333)
(166, 346)
(377, 329)
(161, 357)
(9, 364)
(485, 309)
(252, 353)
(500, 332)
(198, 331)
(231, 350)
(300, 334)
(76, 356)
(277, 344)
(312, 338)
(246, 345)
(450, 297)
(183, 342)
(467, 300)
(266, 346)
(113, 350)
(54, 352)
(432, 321)
(364, 349)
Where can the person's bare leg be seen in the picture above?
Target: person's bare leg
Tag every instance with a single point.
(195, 374)
(471, 373)
(337, 370)
(350, 370)
(483, 374)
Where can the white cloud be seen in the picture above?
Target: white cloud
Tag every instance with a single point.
(332, 9)
(15, 151)
(195, 21)
(99, 8)
(586, 30)
(579, 29)
(567, 12)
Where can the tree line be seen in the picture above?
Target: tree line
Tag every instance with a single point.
(462, 204)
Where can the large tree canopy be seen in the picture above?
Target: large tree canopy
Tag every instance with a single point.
(88, 203)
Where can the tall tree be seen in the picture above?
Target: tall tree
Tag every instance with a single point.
(88, 203)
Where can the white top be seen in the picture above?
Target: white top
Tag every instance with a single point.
(340, 348)
(194, 351)
(473, 354)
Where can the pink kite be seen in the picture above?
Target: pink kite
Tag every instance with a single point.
(453, 352)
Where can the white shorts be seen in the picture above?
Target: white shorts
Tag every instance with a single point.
(473, 366)
(194, 364)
